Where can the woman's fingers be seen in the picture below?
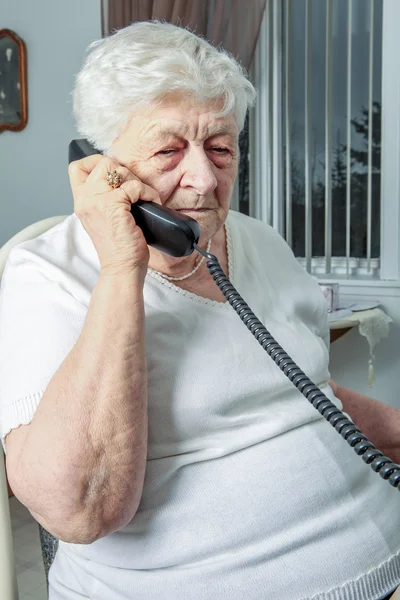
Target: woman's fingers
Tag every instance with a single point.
(135, 190)
(105, 212)
(94, 169)
(79, 170)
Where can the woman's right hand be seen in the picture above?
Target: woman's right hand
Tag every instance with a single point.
(105, 213)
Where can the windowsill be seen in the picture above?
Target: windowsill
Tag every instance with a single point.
(359, 281)
(364, 289)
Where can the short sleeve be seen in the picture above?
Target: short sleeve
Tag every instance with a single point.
(40, 321)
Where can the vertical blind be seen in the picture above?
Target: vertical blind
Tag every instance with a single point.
(315, 132)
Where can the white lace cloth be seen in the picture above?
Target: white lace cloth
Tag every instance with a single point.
(373, 324)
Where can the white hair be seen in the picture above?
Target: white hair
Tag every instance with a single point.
(143, 63)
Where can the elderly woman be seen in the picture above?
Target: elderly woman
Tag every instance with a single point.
(144, 426)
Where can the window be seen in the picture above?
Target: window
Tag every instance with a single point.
(328, 84)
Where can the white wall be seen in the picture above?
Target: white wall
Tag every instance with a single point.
(350, 354)
(33, 162)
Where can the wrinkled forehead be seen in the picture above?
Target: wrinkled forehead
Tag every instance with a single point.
(154, 127)
(183, 117)
(200, 129)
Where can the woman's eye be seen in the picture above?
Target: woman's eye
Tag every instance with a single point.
(220, 150)
(167, 151)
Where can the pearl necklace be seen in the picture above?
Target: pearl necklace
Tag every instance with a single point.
(197, 267)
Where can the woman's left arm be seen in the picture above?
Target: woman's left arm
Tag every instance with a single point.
(378, 421)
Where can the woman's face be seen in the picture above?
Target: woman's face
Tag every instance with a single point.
(189, 157)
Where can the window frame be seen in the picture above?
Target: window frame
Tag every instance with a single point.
(390, 146)
(265, 124)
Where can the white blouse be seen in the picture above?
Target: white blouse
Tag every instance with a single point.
(249, 492)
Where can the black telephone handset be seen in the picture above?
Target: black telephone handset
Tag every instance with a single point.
(177, 235)
(165, 229)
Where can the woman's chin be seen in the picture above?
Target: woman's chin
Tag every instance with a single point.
(209, 219)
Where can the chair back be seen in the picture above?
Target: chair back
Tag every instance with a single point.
(28, 233)
(8, 579)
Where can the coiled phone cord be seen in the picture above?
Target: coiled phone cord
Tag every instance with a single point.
(353, 435)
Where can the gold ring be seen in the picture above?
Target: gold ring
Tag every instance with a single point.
(114, 179)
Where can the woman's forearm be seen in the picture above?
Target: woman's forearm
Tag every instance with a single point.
(82, 465)
(378, 421)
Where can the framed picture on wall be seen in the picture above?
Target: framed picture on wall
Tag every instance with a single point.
(13, 82)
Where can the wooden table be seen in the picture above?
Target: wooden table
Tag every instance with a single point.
(338, 333)
(342, 326)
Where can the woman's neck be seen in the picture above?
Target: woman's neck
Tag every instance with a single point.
(200, 282)
(179, 267)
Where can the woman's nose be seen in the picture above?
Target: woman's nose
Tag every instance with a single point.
(198, 172)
